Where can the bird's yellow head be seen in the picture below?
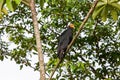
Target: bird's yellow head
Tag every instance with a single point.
(71, 26)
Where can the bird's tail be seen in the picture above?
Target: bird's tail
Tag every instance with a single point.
(61, 55)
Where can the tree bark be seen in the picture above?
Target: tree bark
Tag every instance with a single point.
(38, 42)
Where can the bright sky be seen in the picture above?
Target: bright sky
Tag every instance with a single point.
(9, 70)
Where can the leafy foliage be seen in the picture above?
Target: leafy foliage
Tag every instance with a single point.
(107, 7)
(8, 4)
(94, 55)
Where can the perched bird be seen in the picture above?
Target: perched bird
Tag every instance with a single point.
(64, 40)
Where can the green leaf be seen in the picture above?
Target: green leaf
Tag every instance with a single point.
(14, 5)
(108, 79)
(113, 1)
(97, 12)
(69, 1)
(105, 1)
(81, 65)
(114, 14)
(73, 67)
(1, 57)
(1, 4)
(104, 13)
(100, 4)
(115, 5)
(42, 3)
(9, 5)
(17, 1)
(21, 66)
(1, 16)
(4, 10)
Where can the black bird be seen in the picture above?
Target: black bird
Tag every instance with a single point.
(64, 40)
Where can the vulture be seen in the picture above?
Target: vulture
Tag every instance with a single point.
(64, 40)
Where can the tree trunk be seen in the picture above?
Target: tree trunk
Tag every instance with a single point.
(38, 42)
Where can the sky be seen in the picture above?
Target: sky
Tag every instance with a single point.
(9, 70)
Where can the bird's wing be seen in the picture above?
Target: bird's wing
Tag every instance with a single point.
(65, 40)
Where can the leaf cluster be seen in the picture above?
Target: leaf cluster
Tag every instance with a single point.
(106, 8)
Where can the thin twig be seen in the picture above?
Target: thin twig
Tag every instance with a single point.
(55, 69)
(79, 30)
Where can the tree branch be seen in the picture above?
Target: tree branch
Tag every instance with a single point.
(60, 60)
(75, 37)
(38, 42)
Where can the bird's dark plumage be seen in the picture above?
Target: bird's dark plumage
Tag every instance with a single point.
(64, 40)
